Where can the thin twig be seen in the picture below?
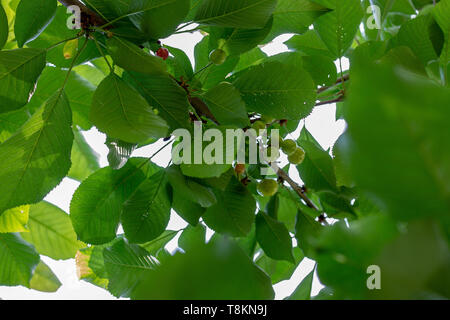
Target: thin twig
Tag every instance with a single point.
(202, 69)
(73, 63)
(63, 41)
(321, 103)
(103, 54)
(184, 26)
(285, 177)
(187, 31)
(340, 80)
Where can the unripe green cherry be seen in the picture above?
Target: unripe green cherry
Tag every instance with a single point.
(258, 125)
(218, 56)
(288, 146)
(297, 156)
(267, 188)
(267, 119)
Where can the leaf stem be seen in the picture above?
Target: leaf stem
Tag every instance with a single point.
(160, 149)
(187, 31)
(184, 26)
(62, 41)
(201, 70)
(73, 63)
(342, 73)
(103, 55)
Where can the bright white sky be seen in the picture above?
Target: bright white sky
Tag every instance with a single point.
(321, 123)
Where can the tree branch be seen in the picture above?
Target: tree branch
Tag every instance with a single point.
(285, 177)
(340, 80)
(93, 17)
(321, 103)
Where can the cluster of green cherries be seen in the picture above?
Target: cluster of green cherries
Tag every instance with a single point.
(296, 155)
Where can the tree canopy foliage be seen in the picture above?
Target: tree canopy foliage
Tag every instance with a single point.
(380, 196)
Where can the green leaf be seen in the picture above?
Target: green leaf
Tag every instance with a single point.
(189, 210)
(418, 34)
(322, 69)
(250, 58)
(44, 279)
(119, 152)
(287, 58)
(214, 74)
(192, 237)
(425, 252)
(344, 253)
(279, 270)
(404, 57)
(404, 116)
(97, 203)
(193, 9)
(189, 188)
(84, 158)
(14, 220)
(122, 113)
(51, 232)
(226, 104)
(126, 264)
(147, 212)
(93, 74)
(317, 170)
(79, 93)
(4, 27)
(287, 209)
(336, 205)
(164, 94)
(274, 238)
(309, 43)
(294, 16)
(441, 13)
(179, 65)
(217, 270)
(307, 231)
(37, 157)
(32, 16)
(57, 31)
(338, 27)
(235, 13)
(234, 212)
(277, 90)
(18, 260)
(130, 57)
(204, 170)
(158, 19)
(303, 290)
(235, 41)
(11, 122)
(90, 265)
(19, 71)
(158, 244)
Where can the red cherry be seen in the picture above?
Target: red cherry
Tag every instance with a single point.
(163, 53)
